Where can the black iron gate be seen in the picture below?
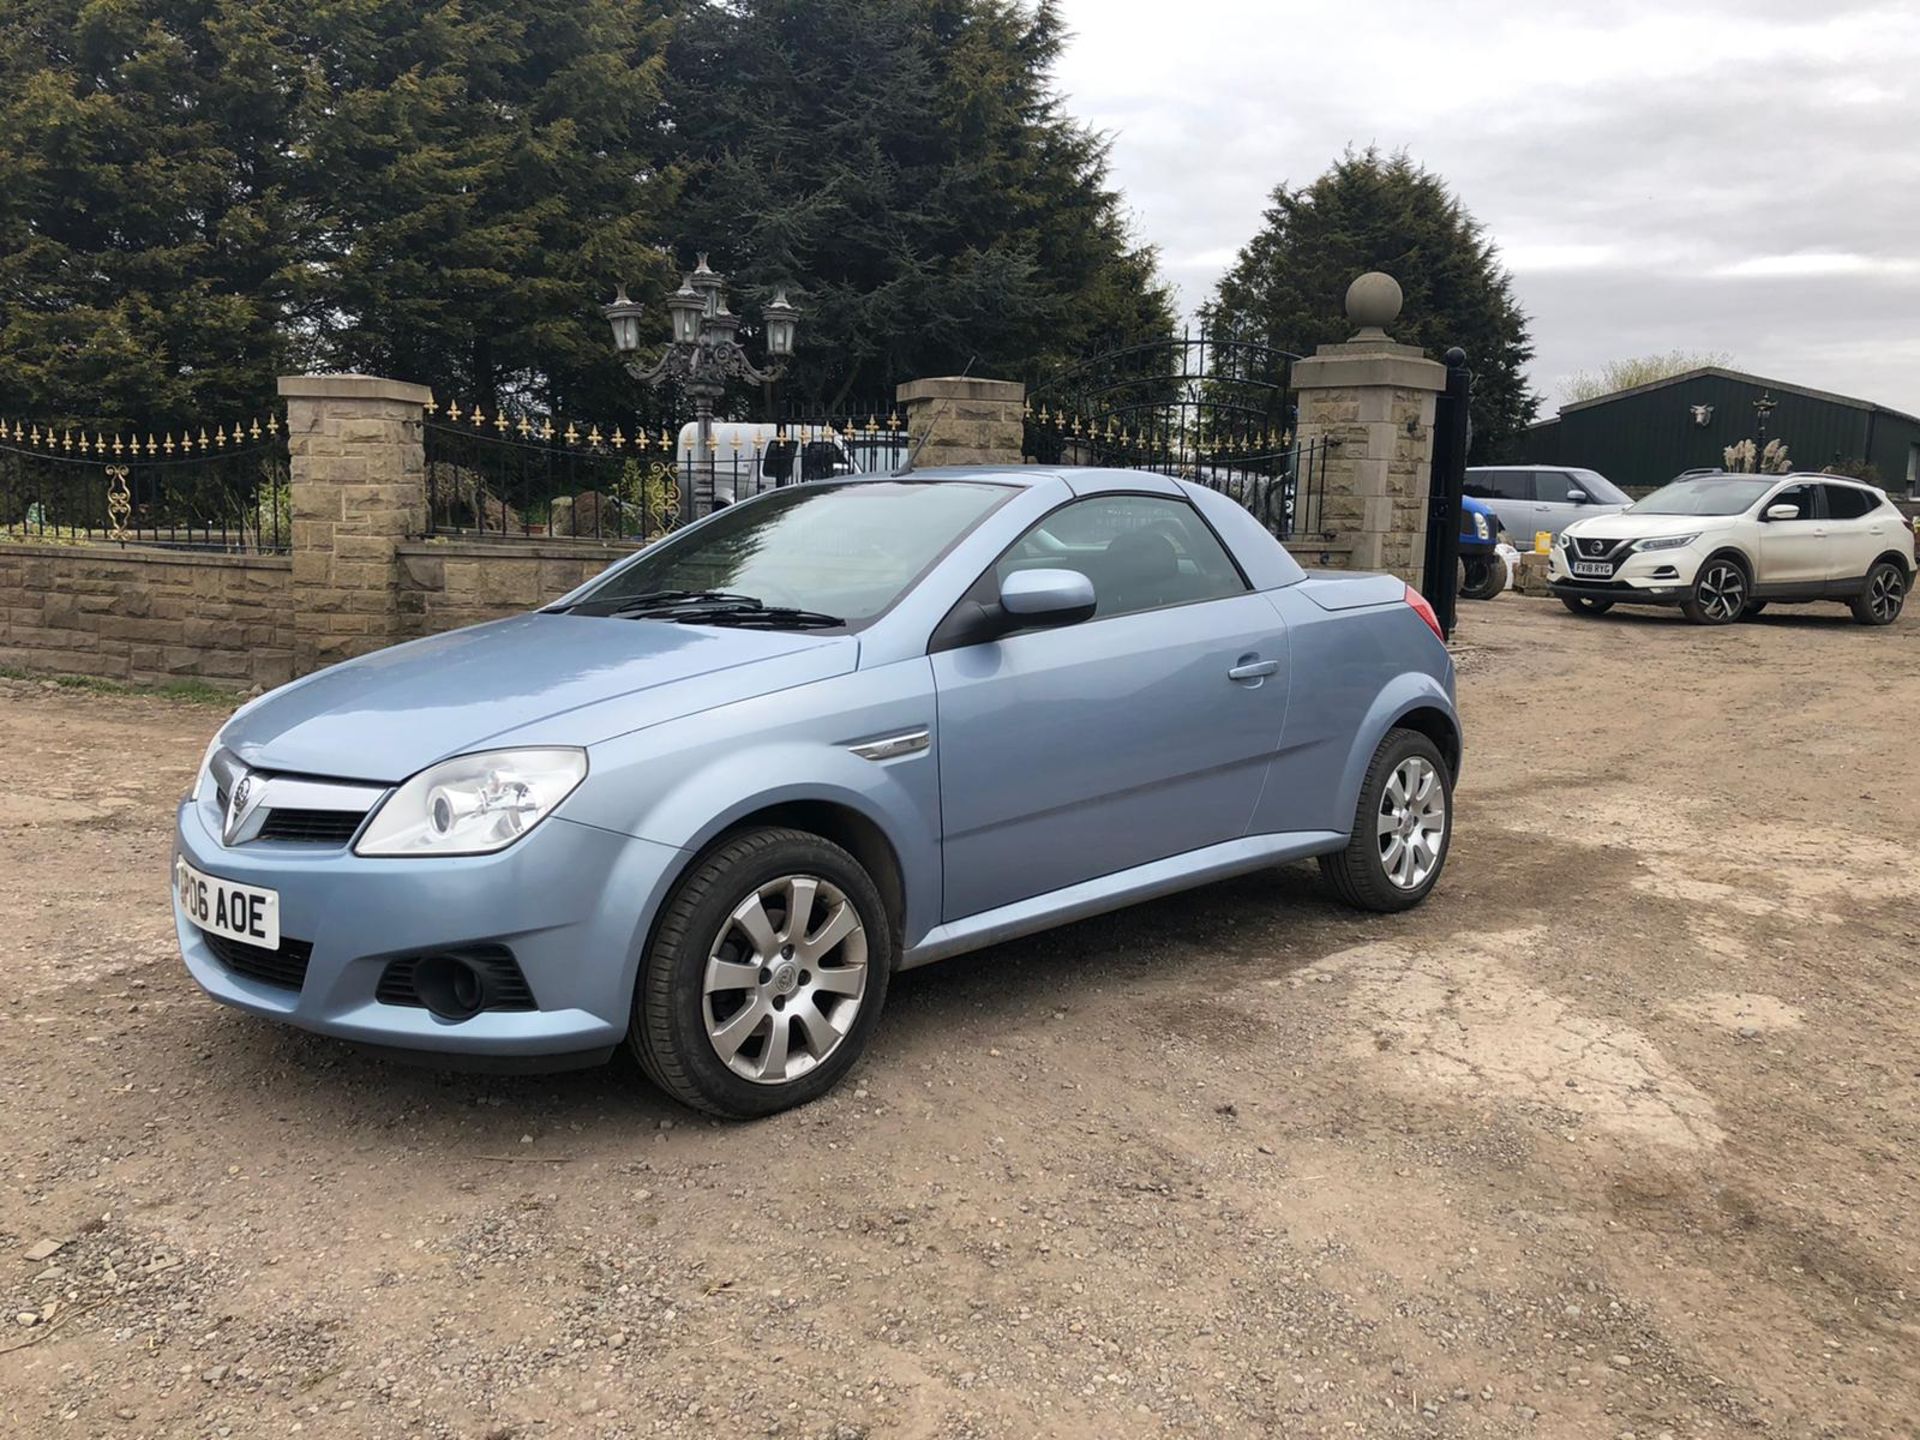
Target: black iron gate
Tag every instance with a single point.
(1452, 434)
(1207, 407)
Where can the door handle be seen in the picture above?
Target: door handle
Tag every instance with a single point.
(1251, 669)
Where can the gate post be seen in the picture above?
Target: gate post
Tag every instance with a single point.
(357, 467)
(1371, 401)
(956, 420)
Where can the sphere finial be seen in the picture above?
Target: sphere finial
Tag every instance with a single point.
(1373, 303)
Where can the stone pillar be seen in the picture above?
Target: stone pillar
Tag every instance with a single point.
(359, 483)
(1371, 402)
(973, 422)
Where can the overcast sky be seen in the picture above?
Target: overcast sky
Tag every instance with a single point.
(1697, 174)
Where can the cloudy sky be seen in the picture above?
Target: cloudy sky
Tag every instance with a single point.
(1736, 175)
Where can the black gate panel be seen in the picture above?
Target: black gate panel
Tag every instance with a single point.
(1452, 433)
(1210, 408)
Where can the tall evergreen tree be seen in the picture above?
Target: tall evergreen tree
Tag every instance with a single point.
(481, 170)
(907, 167)
(146, 229)
(1383, 212)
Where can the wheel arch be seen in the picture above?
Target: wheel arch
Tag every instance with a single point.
(847, 826)
(1894, 557)
(1412, 701)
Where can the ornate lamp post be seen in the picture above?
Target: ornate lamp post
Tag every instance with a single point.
(703, 354)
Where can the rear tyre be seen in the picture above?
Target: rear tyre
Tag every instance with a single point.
(1719, 592)
(765, 976)
(1586, 605)
(1883, 595)
(1483, 577)
(1402, 827)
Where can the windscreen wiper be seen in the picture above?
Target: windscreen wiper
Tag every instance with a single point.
(648, 600)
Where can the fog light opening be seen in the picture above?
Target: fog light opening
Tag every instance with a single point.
(450, 987)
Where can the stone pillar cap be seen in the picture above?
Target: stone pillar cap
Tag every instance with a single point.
(352, 387)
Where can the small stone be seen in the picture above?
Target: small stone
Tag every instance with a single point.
(1620, 1362)
(1749, 1032)
(43, 1249)
(214, 1374)
(27, 1317)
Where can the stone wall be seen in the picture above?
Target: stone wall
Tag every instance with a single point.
(146, 616)
(443, 585)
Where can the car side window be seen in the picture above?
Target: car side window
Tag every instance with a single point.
(1142, 552)
(1844, 502)
(1513, 484)
(1801, 495)
(1552, 486)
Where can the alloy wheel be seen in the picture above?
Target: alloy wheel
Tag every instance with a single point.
(1412, 823)
(1886, 592)
(1722, 591)
(785, 978)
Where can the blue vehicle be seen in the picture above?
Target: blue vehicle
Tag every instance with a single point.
(1483, 573)
(708, 803)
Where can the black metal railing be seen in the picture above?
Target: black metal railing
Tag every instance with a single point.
(496, 476)
(228, 490)
(1281, 481)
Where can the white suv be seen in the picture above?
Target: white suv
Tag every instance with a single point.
(1724, 546)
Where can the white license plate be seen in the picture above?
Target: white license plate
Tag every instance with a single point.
(240, 912)
(1597, 569)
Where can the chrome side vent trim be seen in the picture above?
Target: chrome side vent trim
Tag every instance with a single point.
(892, 747)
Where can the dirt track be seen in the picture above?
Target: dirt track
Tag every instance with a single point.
(1621, 1132)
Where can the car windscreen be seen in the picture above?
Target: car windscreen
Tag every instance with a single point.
(1600, 490)
(1713, 495)
(848, 551)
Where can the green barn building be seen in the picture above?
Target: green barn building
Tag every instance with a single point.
(1647, 435)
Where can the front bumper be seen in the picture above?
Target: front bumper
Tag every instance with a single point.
(572, 902)
(1640, 577)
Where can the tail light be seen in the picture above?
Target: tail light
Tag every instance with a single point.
(1425, 612)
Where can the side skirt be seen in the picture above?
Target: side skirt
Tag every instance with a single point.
(1114, 892)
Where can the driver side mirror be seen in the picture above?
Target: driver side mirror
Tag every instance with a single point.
(1029, 600)
(1783, 512)
(1046, 597)
(1576, 497)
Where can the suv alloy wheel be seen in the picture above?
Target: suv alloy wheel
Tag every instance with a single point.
(1719, 592)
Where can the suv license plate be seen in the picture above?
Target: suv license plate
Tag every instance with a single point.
(1595, 569)
(240, 912)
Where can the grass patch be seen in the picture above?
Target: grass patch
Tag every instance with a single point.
(189, 692)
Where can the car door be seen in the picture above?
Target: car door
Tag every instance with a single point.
(1857, 530)
(1793, 552)
(1553, 509)
(1146, 731)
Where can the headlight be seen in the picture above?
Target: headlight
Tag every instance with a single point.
(1667, 542)
(203, 777)
(473, 804)
(1480, 526)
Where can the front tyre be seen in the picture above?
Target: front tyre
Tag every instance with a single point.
(1401, 827)
(765, 976)
(1483, 577)
(1719, 594)
(1882, 596)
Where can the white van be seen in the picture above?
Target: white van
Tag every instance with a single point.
(748, 458)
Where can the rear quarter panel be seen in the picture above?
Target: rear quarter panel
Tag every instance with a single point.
(1356, 672)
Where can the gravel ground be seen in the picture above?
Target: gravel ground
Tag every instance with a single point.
(1617, 1135)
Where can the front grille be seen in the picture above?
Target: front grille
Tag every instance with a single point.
(507, 988)
(1594, 549)
(285, 967)
(312, 827)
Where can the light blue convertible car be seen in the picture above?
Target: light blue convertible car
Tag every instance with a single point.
(709, 802)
